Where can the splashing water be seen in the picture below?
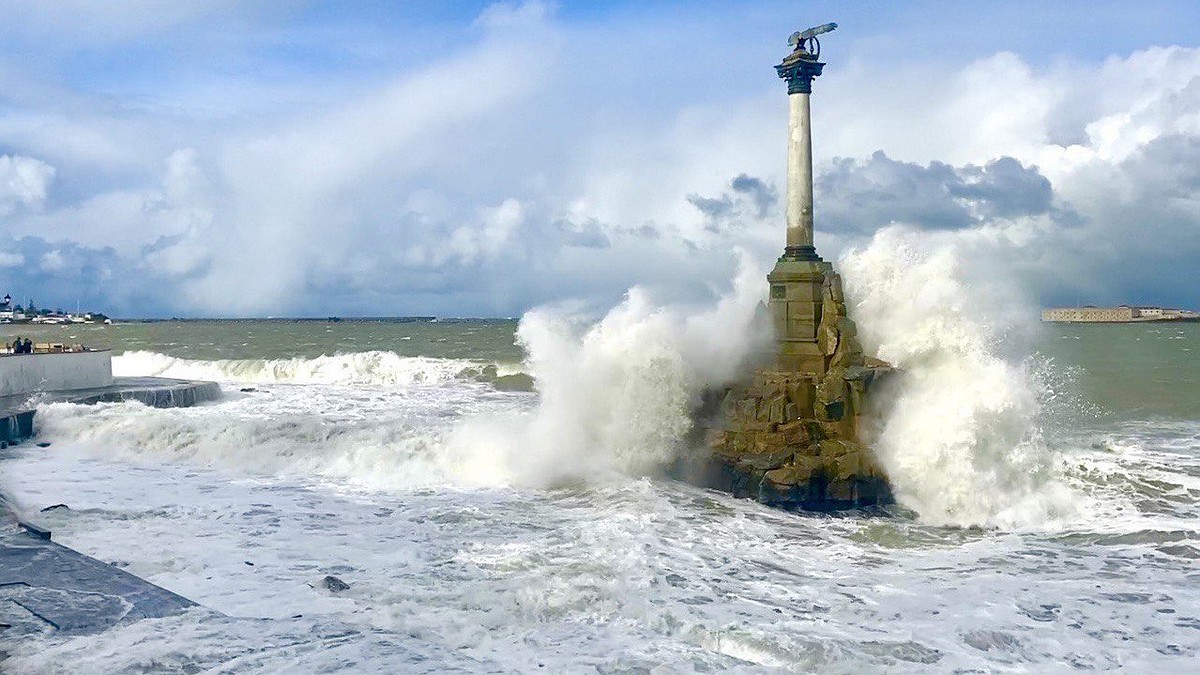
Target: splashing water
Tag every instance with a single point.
(960, 437)
(617, 395)
(371, 368)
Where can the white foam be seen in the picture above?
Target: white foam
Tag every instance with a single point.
(381, 368)
(379, 440)
(961, 439)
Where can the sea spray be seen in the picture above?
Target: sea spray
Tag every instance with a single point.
(313, 432)
(617, 395)
(960, 435)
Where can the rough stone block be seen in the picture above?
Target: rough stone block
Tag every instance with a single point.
(761, 411)
(784, 476)
(794, 433)
(847, 466)
(776, 410)
(791, 411)
(747, 409)
(730, 402)
(801, 393)
(831, 449)
(764, 461)
(840, 491)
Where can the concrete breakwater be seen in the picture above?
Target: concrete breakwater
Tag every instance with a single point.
(17, 411)
(54, 371)
(47, 587)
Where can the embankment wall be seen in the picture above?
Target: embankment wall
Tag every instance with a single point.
(29, 373)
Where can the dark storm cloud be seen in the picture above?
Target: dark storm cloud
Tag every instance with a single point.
(764, 196)
(62, 274)
(714, 209)
(863, 195)
(1004, 188)
(1143, 236)
(748, 197)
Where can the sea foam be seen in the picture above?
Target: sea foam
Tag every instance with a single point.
(368, 368)
(959, 436)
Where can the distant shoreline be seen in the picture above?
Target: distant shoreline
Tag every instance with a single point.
(1118, 314)
(330, 319)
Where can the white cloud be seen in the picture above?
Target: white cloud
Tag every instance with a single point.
(544, 158)
(24, 181)
(11, 259)
(53, 261)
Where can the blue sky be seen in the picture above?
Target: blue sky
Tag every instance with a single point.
(269, 158)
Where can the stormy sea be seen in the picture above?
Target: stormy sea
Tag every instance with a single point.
(492, 494)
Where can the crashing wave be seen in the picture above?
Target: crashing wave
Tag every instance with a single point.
(373, 368)
(960, 436)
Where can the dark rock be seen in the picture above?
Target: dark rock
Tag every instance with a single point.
(56, 507)
(247, 389)
(36, 530)
(43, 444)
(514, 382)
(249, 563)
(334, 584)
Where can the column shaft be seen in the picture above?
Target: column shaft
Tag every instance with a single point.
(800, 173)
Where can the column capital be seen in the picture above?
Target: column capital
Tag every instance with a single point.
(799, 69)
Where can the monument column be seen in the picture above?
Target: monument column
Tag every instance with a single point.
(797, 279)
(793, 432)
(799, 69)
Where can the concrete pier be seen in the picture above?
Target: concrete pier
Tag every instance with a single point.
(17, 411)
(46, 587)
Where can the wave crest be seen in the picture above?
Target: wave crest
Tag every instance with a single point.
(372, 368)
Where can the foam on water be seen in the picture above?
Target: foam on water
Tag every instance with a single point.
(416, 496)
(377, 368)
(633, 575)
(359, 437)
(615, 398)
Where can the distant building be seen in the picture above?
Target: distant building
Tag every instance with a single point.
(1121, 314)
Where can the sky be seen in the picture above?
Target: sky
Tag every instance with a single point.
(218, 158)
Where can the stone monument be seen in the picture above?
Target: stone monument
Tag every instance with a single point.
(792, 433)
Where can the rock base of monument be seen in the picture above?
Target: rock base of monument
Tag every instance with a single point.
(792, 435)
(783, 446)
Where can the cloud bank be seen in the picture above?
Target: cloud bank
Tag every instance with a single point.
(539, 157)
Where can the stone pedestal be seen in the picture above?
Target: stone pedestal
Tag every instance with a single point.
(793, 434)
(795, 307)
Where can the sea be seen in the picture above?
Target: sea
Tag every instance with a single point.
(492, 492)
